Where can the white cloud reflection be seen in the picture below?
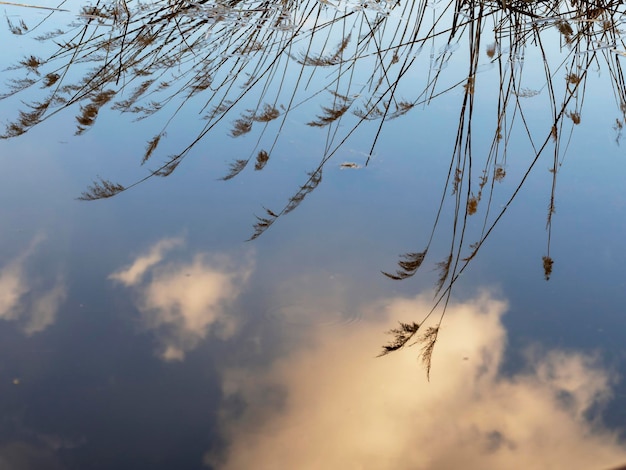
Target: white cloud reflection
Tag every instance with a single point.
(132, 275)
(336, 406)
(23, 300)
(183, 301)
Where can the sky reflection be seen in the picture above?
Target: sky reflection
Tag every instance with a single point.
(343, 408)
(262, 356)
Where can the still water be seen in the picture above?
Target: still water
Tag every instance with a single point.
(232, 314)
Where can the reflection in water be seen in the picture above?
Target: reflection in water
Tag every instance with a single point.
(182, 302)
(342, 408)
(159, 58)
(342, 70)
(24, 296)
(342, 67)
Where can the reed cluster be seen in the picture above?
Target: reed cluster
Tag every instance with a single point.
(254, 62)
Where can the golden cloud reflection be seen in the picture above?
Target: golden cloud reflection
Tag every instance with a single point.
(23, 300)
(181, 302)
(342, 408)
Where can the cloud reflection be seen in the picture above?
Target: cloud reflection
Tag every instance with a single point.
(183, 301)
(22, 299)
(132, 275)
(335, 406)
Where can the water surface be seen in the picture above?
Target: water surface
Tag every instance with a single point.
(144, 331)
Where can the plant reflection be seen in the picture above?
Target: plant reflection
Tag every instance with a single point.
(256, 62)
